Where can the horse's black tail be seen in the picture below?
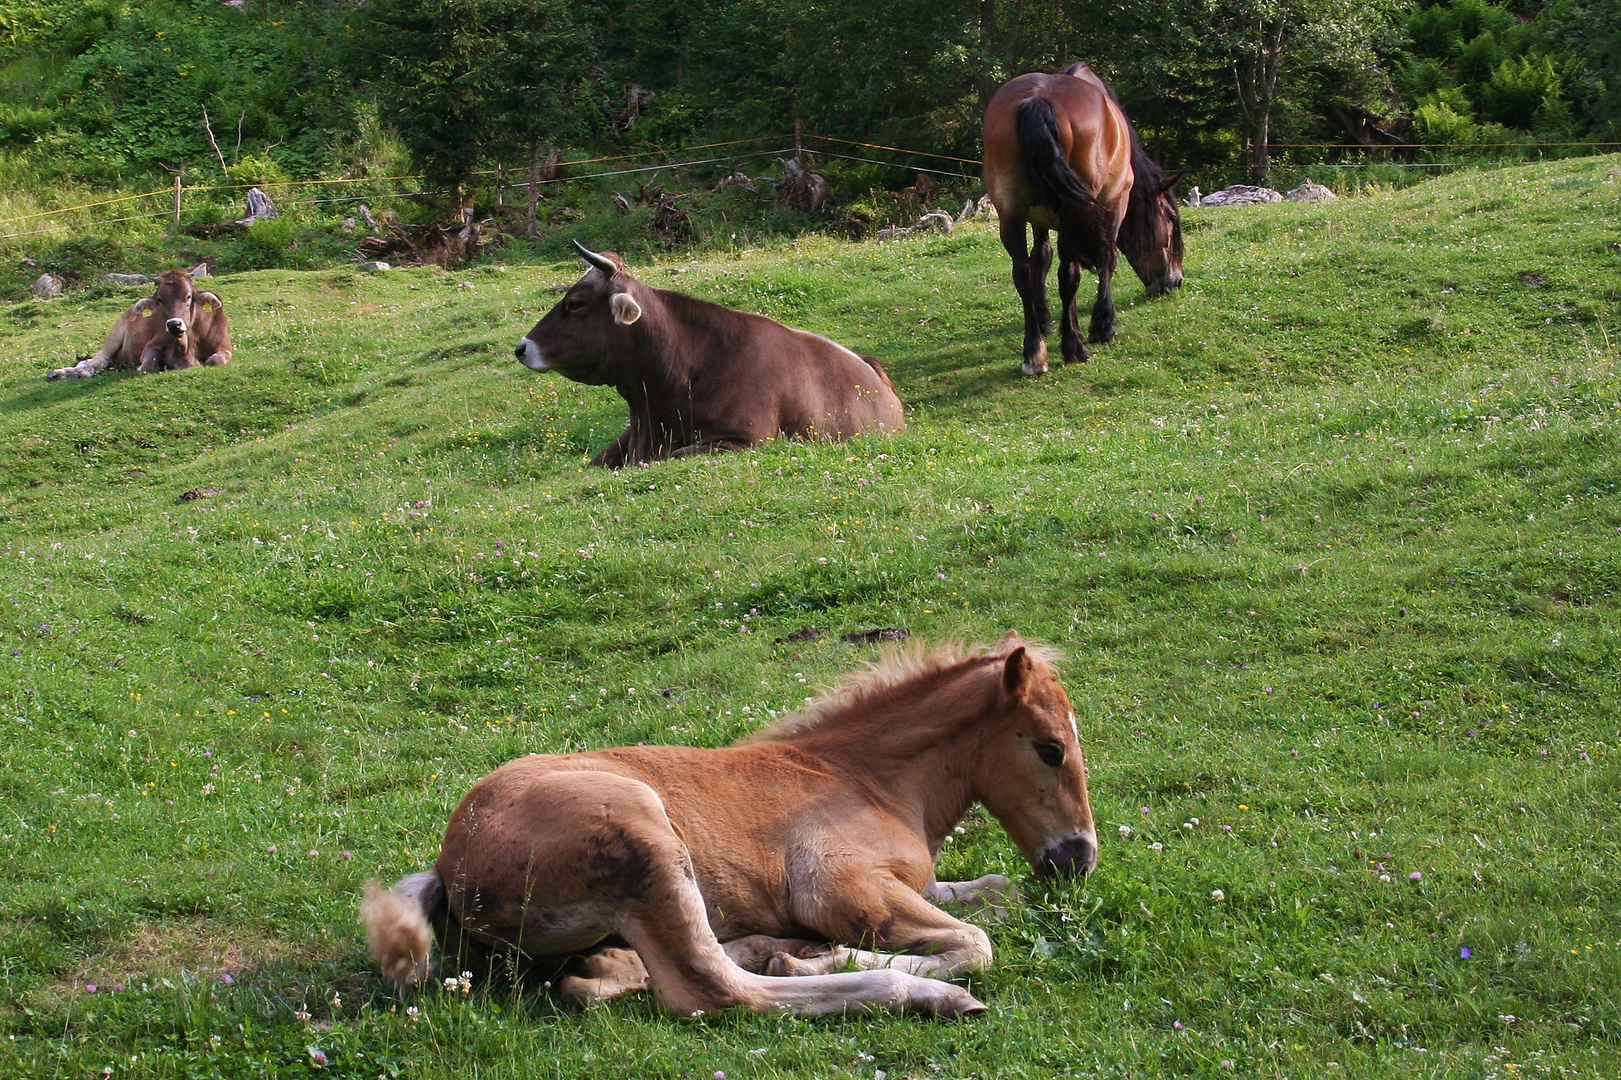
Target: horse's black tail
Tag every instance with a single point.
(1055, 184)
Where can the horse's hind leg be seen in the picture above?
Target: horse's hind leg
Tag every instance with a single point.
(1069, 282)
(1102, 329)
(1041, 260)
(1032, 292)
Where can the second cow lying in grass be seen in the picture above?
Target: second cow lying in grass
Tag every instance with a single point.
(700, 377)
(178, 326)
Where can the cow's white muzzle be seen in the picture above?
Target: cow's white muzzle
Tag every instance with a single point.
(528, 354)
(176, 326)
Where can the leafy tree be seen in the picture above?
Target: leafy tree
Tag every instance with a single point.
(1265, 42)
(464, 79)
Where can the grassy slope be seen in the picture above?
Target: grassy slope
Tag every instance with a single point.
(1378, 597)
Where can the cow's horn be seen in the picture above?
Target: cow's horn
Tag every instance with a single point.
(608, 267)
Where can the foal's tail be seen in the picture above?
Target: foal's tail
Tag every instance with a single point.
(1056, 186)
(396, 921)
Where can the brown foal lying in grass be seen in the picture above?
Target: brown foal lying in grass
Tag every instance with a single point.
(715, 876)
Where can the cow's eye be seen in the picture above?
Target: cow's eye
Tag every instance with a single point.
(1050, 751)
(573, 304)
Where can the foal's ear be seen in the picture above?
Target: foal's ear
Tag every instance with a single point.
(1016, 672)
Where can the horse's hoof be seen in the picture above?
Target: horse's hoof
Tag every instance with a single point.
(1034, 367)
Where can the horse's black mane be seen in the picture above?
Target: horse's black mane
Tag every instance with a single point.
(1148, 178)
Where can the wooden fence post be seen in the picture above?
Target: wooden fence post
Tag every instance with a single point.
(177, 198)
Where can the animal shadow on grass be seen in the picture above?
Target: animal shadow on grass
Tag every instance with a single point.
(31, 395)
(967, 369)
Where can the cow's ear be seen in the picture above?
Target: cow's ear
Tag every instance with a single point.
(209, 300)
(144, 305)
(625, 308)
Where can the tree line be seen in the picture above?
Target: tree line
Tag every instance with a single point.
(110, 90)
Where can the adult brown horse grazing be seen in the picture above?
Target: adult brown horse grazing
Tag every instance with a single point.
(823, 827)
(1061, 155)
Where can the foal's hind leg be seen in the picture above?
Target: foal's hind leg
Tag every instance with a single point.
(604, 974)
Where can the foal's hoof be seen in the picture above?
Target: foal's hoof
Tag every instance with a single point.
(944, 1001)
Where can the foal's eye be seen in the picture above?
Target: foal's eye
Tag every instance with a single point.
(1050, 751)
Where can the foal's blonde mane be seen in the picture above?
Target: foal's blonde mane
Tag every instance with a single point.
(894, 669)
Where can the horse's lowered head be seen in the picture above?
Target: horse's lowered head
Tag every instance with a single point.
(1151, 234)
(1031, 772)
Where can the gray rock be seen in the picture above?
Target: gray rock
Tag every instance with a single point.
(987, 208)
(1241, 195)
(48, 287)
(967, 212)
(376, 266)
(935, 219)
(126, 279)
(1310, 192)
(894, 233)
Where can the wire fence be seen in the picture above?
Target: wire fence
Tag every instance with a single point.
(1370, 156)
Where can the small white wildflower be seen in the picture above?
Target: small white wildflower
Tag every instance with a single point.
(1217, 895)
(413, 1014)
(1125, 830)
(1156, 846)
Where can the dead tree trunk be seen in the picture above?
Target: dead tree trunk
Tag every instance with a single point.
(531, 226)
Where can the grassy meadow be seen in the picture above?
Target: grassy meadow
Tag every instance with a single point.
(1331, 539)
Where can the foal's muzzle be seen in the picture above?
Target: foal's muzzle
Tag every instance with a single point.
(1076, 853)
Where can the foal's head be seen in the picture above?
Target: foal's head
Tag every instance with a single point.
(1031, 774)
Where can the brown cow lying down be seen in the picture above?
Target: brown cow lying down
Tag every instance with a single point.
(700, 377)
(175, 327)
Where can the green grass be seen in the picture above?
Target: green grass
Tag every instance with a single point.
(1332, 540)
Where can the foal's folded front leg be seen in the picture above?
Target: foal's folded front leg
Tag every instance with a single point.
(915, 937)
(992, 892)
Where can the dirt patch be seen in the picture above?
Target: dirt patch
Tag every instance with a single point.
(206, 948)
